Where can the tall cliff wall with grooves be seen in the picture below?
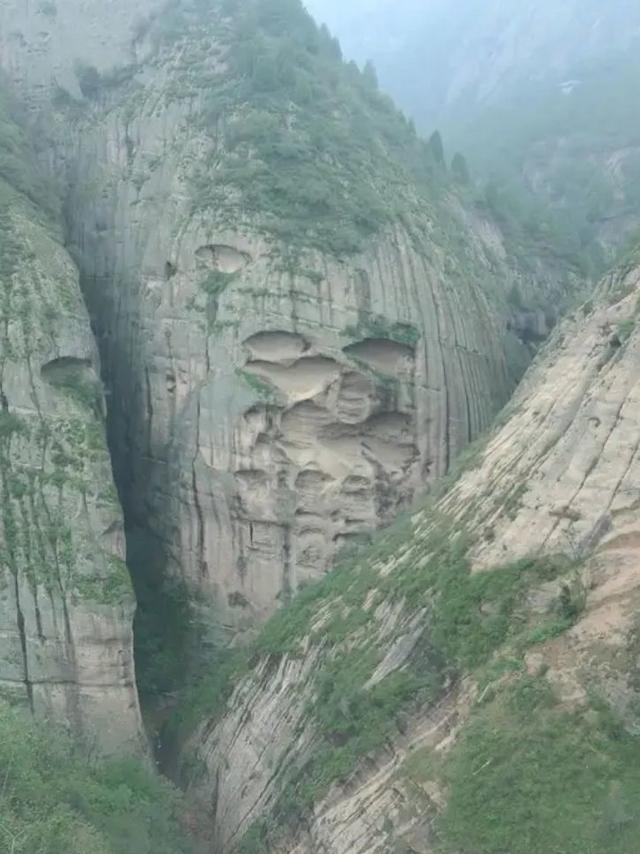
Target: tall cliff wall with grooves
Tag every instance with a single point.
(478, 663)
(66, 602)
(300, 321)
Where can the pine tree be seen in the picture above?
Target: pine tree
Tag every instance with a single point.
(370, 74)
(437, 148)
(460, 169)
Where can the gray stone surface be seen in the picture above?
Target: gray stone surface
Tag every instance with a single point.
(559, 477)
(259, 430)
(66, 602)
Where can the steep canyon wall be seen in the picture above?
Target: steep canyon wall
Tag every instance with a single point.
(281, 382)
(66, 602)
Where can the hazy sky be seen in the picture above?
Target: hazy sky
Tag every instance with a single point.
(433, 54)
(357, 22)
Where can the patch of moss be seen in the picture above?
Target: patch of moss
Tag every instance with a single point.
(262, 388)
(217, 282)
(85, 391)
(377, 326)
(11, 425)
(624, 330)
(512, 504)
(255, 840)
(467, 618)
(112, 589)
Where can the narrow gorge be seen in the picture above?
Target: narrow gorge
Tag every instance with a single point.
(260, 528)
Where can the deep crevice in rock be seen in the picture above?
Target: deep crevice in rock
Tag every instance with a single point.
(165, 634)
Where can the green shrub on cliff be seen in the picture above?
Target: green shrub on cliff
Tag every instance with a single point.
(17, 166)
(307, 148)
(54, 799)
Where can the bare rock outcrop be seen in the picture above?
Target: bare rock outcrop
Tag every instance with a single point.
(66, 602)
(560, 477)
(268, 413)
(272, 398)
(302, 417)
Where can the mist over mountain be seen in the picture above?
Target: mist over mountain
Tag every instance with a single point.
(319, 427)
(535, 95)
(438, 57)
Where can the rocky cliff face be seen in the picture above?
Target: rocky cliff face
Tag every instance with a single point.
(291, 346)
(303, 321)
(296, 414)
(44, 45)
(66, 602)
(370, 718)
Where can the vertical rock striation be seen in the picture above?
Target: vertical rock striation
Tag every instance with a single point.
(556, 485)
(297, 330)
(66, 602)
(267, 416)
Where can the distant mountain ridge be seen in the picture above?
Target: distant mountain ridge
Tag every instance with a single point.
(535, 94)
(475, 51)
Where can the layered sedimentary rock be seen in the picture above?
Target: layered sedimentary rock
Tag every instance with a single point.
(559, 478)
(66, 602)
(569, 454)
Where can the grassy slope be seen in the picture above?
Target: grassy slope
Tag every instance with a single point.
(531, 777)
(527, 774)
(475, 622)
